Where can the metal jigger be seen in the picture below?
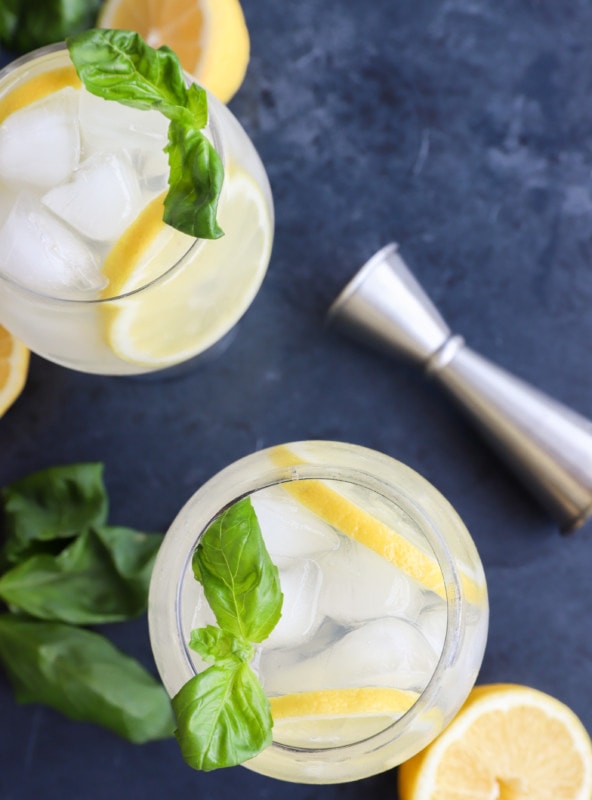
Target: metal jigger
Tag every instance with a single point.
(549, 445)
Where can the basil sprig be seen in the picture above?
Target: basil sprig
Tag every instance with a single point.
(82, 675)
(223, 714)
(119, 65)
(62, 566)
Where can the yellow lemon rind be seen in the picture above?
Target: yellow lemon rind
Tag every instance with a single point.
(350, 519)
(14, 368)
(462, 761)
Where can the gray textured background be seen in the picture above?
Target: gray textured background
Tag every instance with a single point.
(463, 130)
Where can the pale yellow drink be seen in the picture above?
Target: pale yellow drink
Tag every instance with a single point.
(90, 276)
(384, 617)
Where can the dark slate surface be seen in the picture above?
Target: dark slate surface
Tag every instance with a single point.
(463, 130)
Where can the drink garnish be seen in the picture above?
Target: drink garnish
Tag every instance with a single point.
(223, 714)
(119, 65)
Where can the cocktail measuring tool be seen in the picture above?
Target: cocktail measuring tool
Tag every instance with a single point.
(546, 443)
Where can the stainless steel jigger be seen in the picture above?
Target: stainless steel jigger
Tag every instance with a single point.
(548, 445)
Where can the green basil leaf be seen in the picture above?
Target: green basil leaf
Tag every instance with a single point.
(102, 576)
(119, 65)
(240, 581)
(49, 505)
(215, 645)
(223, 717)
(197, 105)
(195, 182)
(9, 20)
(82, 675)
(132, 553)
(28, 24)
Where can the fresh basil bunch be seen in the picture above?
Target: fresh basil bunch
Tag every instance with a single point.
(62, 567)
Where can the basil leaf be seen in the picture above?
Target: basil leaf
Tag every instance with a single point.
(119, 65)
(240, 581)
(223, 714)
(82, 675)
(214, 644)
(9, 21)
(102, 576)
(52, 504)
(223, 717)
(28, 24)
(195, 182)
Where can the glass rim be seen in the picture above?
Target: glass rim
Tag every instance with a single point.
(213, 127)
(273, 475)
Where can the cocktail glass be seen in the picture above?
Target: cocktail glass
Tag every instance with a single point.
(87, 278)
(385, 610)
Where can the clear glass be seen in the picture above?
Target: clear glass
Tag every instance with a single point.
(192, 292)
(390, 497)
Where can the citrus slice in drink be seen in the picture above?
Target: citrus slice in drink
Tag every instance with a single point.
(14, 366)
(334, 717)
(37, 88)
(163, 319)
(209, 36)
(348, 518)
(509, 742)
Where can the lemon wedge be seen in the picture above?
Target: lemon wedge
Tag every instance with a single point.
(209, 36)
(14, 367)
(162, 319)
(508, 741)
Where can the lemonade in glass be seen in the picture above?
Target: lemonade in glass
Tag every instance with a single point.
(90, 275)
(384, 610)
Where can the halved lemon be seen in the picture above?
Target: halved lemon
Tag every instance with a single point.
(350, 519)
(334, 717)
(210, 37)
(508, 742)
(166, 319)
(14, 367)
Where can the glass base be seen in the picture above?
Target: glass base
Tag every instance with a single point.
(187, 367)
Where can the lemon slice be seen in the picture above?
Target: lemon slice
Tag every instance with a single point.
(350, 519)
(333, 717)
(14, 367)
(37, 88)
(209, 36)
(509, 742)
(179, 314)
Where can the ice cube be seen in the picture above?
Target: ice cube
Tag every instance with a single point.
(102, 198)
(360, 585)
(433, 622)
(288, 528)
(40, 143)
(40, 252)
(109, 125)
(7, 201)
(383, 652)
(153, 168)
(300, 580)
